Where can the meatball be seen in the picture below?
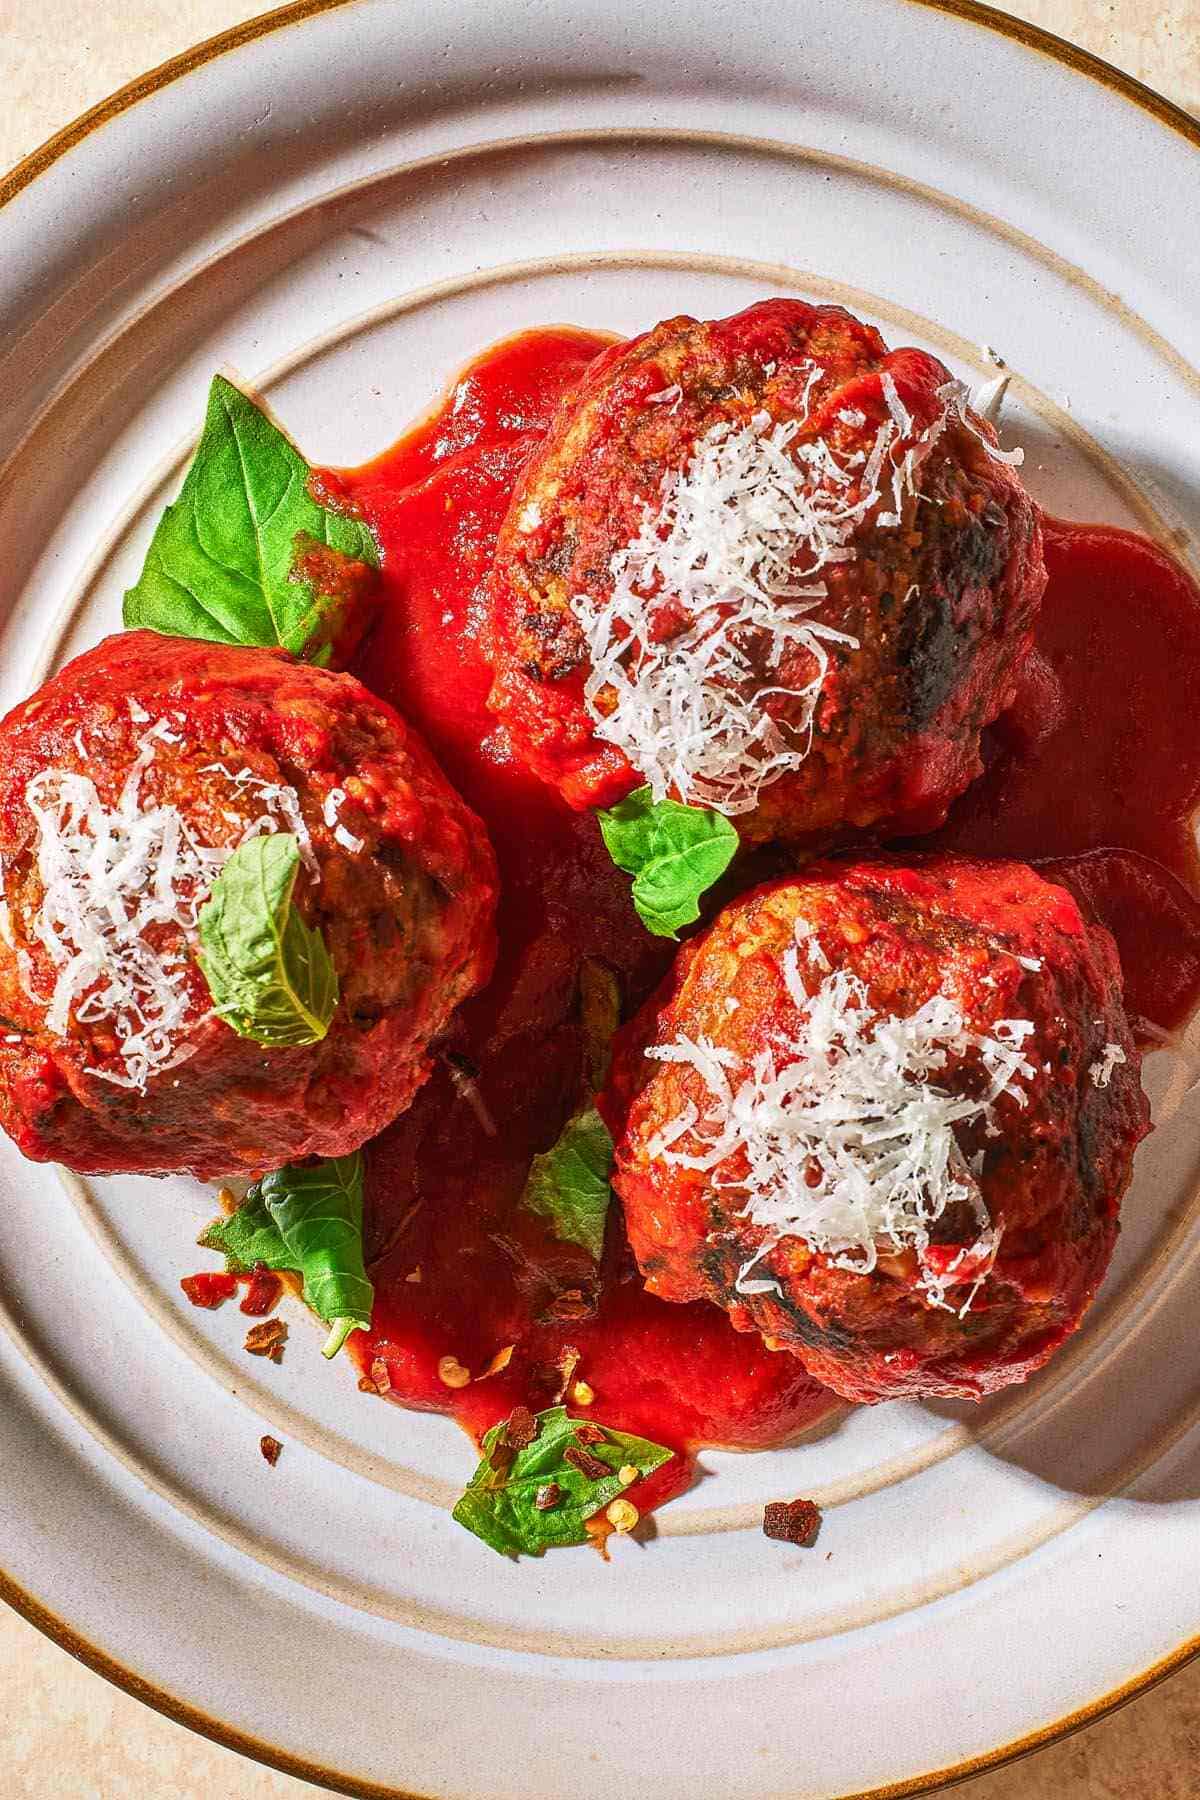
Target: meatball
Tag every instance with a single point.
(125, 782)
(766, 566)
(884, 1115)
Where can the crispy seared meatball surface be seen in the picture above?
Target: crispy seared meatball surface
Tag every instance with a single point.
(939, 596)
(992, 1292)
(164, 750)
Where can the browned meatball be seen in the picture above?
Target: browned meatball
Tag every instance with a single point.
(125, 783)
(885, 1115)
(766, 566)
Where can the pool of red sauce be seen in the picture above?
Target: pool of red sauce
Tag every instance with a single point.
(1094, 772)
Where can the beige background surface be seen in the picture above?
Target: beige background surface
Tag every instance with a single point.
(64, 1733)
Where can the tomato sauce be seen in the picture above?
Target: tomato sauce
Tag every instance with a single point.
(1095, 773)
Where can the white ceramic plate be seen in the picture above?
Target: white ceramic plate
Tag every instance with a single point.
(343, 204)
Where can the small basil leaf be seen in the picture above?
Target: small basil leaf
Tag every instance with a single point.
(248, 1237)
(306, 1219)
(270, 974)
(231, 559)
(318, 1211)
(499, 1504)
(673, 852)
(568, 1184)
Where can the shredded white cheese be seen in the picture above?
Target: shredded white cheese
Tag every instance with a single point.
(1101, 1071)
(840, 1135)
(122, 888)
(723, 582)
(342, 833)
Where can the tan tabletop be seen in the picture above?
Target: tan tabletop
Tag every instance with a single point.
(64, 1733)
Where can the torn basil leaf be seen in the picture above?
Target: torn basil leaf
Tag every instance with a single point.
(673, 852)
(308, 1219)
(270, 975)
(232, 559)
(500, 1504)
(568, 1185)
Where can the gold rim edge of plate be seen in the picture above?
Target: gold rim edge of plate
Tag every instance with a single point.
(1032, 37)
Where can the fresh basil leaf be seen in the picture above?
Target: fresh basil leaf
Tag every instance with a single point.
(306, 1218)
(231, 559)
(498, 1505)
(318, 1210)
(248, 1237)
(569, 1183)
(673, 852)
(270, 974)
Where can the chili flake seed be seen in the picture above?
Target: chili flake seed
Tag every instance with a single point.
(586, 1463)
(270, 1448)
(380, 1378)
(582, 1394)
(792, 1521)
(627, 1474)
(267, 1339)
(414, 1274)
(500, 1361)
(622, 1515)
(547, 1496)
(451, 1371)
(366, 1385)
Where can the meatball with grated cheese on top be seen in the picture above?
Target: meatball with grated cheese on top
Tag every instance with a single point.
(126, 783)
(885, 1115)
(769, 567)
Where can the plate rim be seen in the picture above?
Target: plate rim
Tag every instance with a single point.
(1031, 37)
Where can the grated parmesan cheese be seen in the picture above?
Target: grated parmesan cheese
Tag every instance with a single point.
(840, 1135)
(1101, 1071)
(342, 833)
(122, 889)
(739, 541)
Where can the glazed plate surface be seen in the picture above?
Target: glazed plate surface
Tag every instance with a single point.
(342, 210)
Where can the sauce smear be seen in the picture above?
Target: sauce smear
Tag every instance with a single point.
(1094, 773)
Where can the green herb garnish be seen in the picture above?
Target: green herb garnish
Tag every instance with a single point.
(674, 853)
(306, 1219)
(568, 1185)
(500, 1505)
(232, 559)
(270, 974)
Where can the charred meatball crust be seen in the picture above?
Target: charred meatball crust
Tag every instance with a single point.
(942, 606)
(402, 884)
(1003, 944)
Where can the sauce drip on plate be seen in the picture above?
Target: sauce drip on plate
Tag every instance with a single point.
(1095, 771)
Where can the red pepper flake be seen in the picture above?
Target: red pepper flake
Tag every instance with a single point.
(210, 1289)
(381, 1376)
(792, 1522)
(520, 1428)
(267, 1339)
(547, 1496)
(270, 1448)
(586, 1463)
(502, 1456)
(366, 1385)
(588, 1433)
(262, 1292)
